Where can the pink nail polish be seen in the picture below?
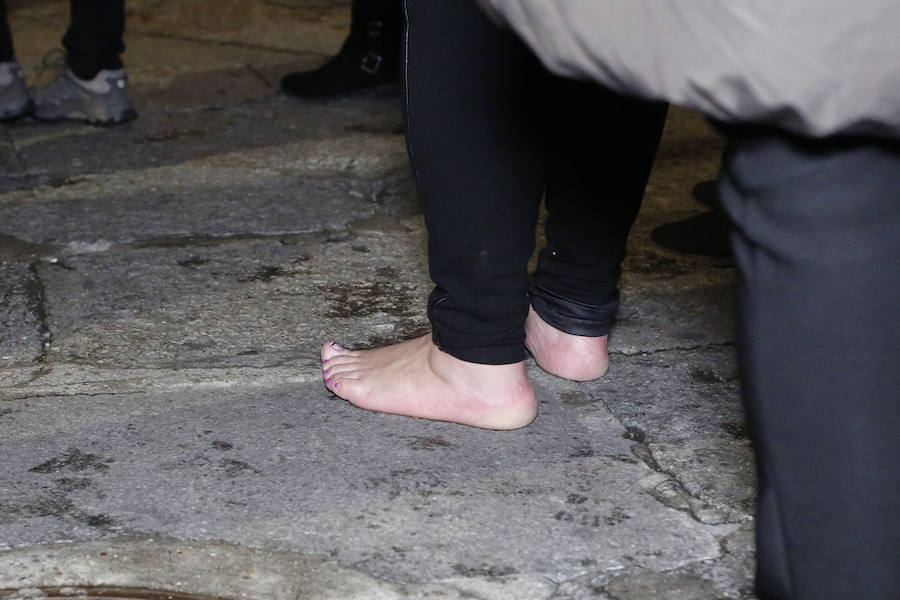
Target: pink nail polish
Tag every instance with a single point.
(337, 383)
(324, 361)
(328, 380)
(326, 371)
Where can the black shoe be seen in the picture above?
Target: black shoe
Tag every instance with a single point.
(361, 64)
(706, 193)
(704, 236)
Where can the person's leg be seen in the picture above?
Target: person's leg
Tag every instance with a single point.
(817, 240)
(369, 57)
(472, 143)
(602, 147)
(94, 88)
(15, 101)
(93, 41)
(7, 53)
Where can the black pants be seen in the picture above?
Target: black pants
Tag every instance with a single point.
(93, 41)
(489, 131)
(817, 239)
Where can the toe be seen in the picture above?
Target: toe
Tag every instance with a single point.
(332, 349)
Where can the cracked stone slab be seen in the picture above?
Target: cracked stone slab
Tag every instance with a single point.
(293, 469)
(253, 303)
(670, 319)
(219, 570)
(661, 586)
(249, 302)
(683, 411)
(671, 397)
(282, 205)
(10, 166)
(56, 152)
(21, 328)
(717, 470)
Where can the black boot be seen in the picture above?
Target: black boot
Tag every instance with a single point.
(369, 57)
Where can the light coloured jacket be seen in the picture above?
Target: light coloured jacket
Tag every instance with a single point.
(814, 67)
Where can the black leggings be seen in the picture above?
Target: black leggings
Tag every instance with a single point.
(490, 133)
(93, 41)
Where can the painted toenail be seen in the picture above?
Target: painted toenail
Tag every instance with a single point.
(324, 360)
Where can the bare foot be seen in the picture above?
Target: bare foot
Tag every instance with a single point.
(417, 379)
(575, 357)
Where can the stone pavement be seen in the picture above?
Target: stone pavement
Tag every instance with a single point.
(164, 289)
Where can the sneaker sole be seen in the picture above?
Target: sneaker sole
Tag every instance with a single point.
(128, 115)
(27, 110)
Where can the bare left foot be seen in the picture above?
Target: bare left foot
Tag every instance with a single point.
(417, 379)
(574, 357)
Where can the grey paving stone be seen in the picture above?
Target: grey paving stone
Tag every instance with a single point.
(671, 397)
(661, 586)
(21, 327)
(670, 319)
(254, 303)
(219, 570)
(282, 205)
(683, 413)
(56, 152)
(293, 468)
(717, 470)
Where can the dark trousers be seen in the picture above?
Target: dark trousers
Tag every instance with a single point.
(7, 51)
(817, 239)
(93, 41)
(489, 132)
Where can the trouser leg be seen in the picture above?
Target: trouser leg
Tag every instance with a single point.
(602, 148)
(817, 239)
(93, 41)
(472, 143)
(6, 43)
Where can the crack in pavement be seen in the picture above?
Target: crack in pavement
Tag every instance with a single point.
(673, 349)
(36, 297)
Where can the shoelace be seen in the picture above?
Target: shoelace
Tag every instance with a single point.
(54, 61)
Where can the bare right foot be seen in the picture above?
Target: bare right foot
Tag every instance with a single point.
(574, 357)
(417, 379)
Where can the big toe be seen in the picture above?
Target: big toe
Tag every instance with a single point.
(331, 349)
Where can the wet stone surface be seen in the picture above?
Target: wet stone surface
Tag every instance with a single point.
(22, 331)
(448, 501)
(285, 206)
(258, 303)
(55, 152)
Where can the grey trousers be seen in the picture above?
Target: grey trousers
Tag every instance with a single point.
(817, 239)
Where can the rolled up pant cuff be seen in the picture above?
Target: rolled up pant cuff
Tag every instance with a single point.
(571, 316)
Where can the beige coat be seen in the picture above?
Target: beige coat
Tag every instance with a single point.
(815, 67)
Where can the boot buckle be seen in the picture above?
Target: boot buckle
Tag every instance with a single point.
(371, 62)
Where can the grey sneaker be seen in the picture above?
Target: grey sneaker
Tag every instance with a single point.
(103, 100)
(15, 101)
